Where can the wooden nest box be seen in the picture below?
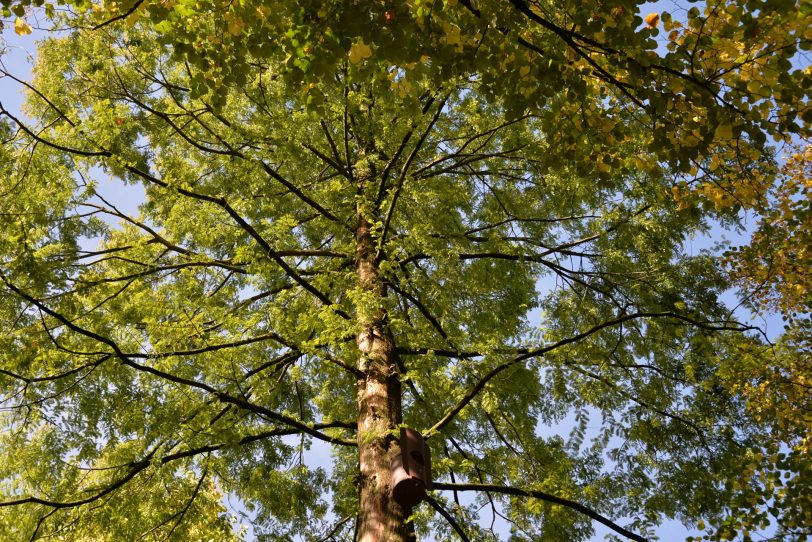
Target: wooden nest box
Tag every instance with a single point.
(410, 469)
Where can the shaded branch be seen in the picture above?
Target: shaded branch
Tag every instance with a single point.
(139, 466)
(251, 439)
(404, 170)
(120, 17)
(336, 528)
(478, 387)
(221, 395)
(135, 468)
(448, 517)
(50, 378)
(326, 159)
(442, 486)
(422, 308)
(209, 348)
(219, 201)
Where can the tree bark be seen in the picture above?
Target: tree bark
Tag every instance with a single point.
(379, 404)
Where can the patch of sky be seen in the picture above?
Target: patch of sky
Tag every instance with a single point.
(113, 196)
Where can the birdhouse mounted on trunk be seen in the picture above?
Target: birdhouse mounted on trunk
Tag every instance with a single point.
(410, 469)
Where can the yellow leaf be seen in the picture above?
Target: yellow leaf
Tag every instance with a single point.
(452, 35)
(21, 27)
(724, 131)
(652, 19)
(235, 24)
(359, 51)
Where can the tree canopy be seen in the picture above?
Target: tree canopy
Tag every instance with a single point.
(465, 218)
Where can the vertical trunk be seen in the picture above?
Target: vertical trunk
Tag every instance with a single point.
(379, 404)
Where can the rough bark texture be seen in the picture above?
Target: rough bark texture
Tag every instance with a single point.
(379, 407)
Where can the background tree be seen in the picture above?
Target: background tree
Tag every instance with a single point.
(330, 259)
(774, 271)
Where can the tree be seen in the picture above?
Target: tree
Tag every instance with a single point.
(330, 260)
(773, 269)
(776, 264)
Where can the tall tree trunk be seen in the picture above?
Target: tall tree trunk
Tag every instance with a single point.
(379, 404)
